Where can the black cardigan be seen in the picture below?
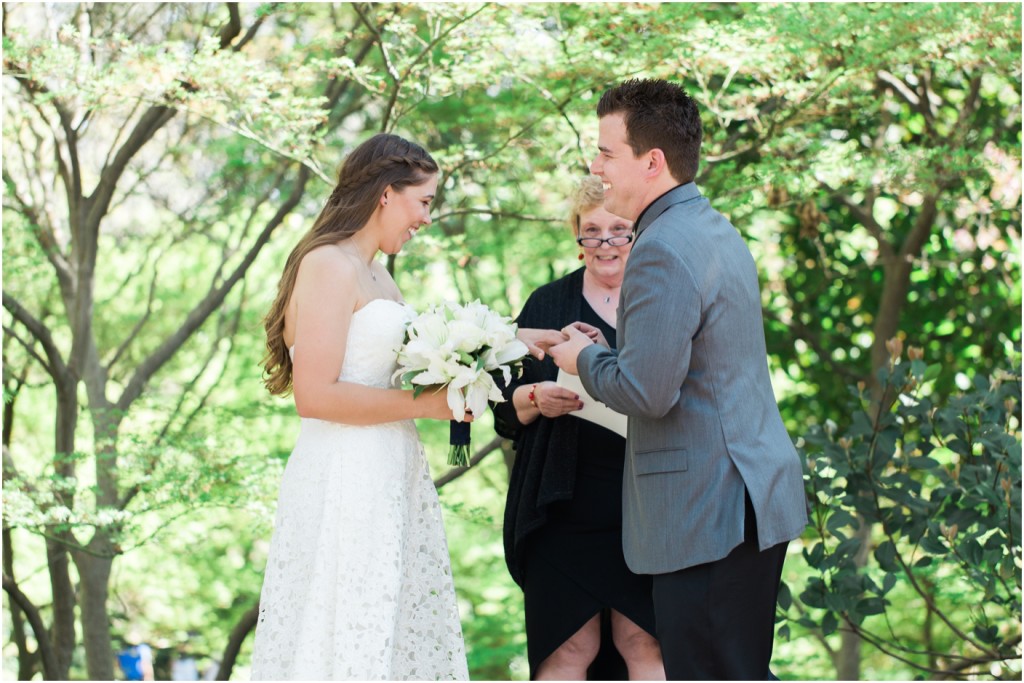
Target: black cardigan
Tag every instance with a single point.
(546, 449)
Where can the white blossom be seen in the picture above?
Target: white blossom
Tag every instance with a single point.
(462, 348)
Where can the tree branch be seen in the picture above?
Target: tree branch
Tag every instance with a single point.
(136, 489)
(389, 66)
(238, 635)
(140, 323)
(98, 202)
(970, 104)
(46, 239)
(919, 102)
(901, 88)
(56, 366)
(213, 299)
(817, 634)
(804, 332)
(148, 124)
(231, 29)
(456, 472)
(428, 50)
(29, 349)
(251, 33)
(497, 214)
(37, 89)
(962, 661)
(51, 670)
(27, 659)
(922, 227)
(865, 218)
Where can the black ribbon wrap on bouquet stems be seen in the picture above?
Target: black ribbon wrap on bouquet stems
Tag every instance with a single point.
(458, 437)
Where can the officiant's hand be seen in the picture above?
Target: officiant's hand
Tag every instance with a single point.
(551, 399)
(566, 353)
(592, 332)
(538, 341)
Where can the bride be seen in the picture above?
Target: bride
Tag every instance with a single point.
(358, 583)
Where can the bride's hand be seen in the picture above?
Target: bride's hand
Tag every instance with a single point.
(538, 341)
(435, 404)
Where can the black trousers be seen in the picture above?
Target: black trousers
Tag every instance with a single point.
(717, 620)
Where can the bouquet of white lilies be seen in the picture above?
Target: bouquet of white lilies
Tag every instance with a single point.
(461, 348)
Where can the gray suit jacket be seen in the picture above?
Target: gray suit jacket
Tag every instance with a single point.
(691, 373)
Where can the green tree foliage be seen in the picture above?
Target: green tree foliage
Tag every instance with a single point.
(941, 480)
(161, 160)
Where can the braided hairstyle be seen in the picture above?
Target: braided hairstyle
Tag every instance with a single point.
(381, 161)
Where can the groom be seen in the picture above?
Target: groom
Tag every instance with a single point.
(713, 489)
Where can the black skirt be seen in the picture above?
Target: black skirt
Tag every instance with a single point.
(574, 567)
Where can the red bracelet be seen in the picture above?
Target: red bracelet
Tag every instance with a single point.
(533, 399)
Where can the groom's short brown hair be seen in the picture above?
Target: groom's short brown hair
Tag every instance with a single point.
(658, 114)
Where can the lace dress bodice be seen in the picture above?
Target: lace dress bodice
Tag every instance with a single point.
(374, 337)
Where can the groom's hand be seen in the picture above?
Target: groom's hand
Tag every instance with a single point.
(539, 340)
(592, 332)
(566, 353)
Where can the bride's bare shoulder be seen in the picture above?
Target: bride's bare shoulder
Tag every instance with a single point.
(329, 261)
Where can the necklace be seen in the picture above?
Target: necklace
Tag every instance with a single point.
(595, 289)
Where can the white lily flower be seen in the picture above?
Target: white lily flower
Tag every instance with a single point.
(480, 391)
(461, 347)
(466, 336)
(512, 351)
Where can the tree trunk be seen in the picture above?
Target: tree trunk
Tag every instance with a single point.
(94, 569)
(895, 285)
(849, 655)
(897, 268)
(238, 635)
(27, 660)
(508, 453)
(62, 589)
(96, 562)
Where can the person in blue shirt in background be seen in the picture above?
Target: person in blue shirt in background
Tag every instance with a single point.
(136, 660)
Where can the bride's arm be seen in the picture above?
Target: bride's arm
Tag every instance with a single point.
(325, 296)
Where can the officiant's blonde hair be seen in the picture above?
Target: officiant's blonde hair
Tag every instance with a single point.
(589, 195)
(380, 161)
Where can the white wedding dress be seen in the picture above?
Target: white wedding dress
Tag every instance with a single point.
(358, 582)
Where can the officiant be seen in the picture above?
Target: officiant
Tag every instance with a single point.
(587, 615)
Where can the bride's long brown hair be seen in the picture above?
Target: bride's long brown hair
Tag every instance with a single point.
(382, 160)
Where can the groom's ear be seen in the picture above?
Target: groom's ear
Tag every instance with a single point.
(655, 162)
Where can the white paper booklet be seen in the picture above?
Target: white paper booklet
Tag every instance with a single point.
(593, 410)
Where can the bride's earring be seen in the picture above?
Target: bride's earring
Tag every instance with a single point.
(580, 257)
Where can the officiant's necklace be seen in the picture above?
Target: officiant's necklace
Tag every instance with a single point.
(606, 298)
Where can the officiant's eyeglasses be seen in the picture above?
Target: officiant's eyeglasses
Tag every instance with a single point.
(594, 242)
